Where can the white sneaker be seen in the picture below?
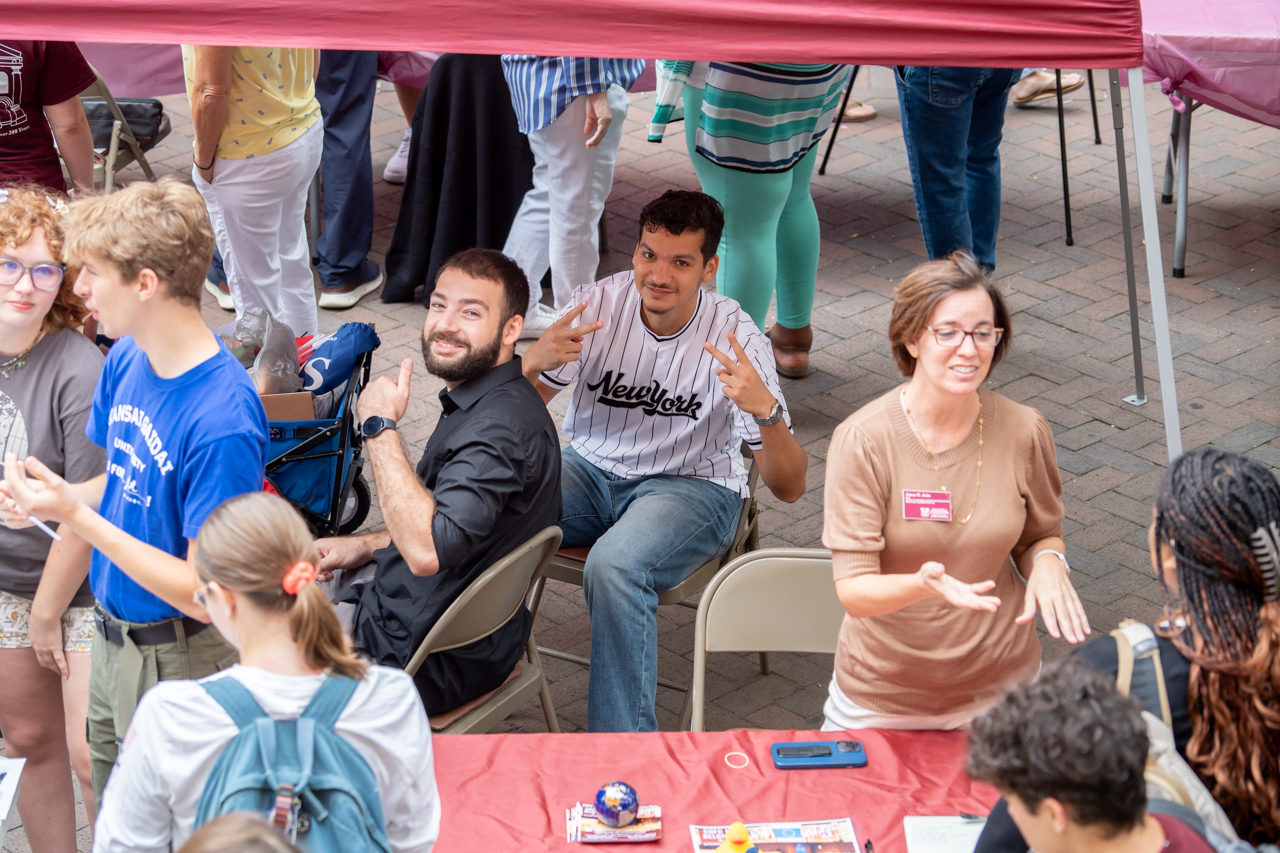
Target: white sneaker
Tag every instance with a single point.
(398, 166)
(225, 302)
(350, 293)
(538, 323)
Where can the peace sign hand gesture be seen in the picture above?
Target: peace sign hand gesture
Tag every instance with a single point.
(560, 344)
(742, 384)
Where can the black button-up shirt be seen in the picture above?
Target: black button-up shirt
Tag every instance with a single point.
(493, 465)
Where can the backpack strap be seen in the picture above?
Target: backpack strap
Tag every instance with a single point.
(329, 701)
(235, 699)
(1179, 812)
(1135, 641)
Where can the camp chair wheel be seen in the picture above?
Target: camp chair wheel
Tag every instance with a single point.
(355, 507)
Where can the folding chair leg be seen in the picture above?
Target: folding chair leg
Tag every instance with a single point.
(548, 709)
(764, 663)
(142, 161)
(113, 151)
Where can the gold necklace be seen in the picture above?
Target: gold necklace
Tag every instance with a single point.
(937, 469)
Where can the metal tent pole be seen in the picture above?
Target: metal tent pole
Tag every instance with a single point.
(1139, 396)
(1155, 264)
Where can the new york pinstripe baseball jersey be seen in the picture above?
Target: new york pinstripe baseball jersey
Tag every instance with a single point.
(646, 404)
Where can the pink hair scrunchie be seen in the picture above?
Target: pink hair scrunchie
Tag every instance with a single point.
(301, 574)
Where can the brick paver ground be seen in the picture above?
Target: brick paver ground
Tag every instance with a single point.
(1071, 356)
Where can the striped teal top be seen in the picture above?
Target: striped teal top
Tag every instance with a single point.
(756, 117)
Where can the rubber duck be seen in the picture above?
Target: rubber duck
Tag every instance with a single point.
(737, 840)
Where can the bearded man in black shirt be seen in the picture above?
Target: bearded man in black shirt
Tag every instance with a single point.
(488, 480)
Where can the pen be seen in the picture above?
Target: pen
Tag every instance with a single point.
(38, 523)
(974, 817)
(868, 847)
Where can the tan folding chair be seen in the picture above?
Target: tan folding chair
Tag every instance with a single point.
(568, 565)
(488, 603)
(779, 599)
(114, 157)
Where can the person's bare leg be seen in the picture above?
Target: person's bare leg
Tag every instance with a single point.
(408, 100)
(75, 708)
(31, 718)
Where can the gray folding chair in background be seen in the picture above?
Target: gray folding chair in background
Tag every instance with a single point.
(568, 564)
(488, 603)
(777, 599)
(122, 146)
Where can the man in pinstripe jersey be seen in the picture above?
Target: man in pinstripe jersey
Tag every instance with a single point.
(671, 379)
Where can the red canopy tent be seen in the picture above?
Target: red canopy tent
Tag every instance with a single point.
(985, 33)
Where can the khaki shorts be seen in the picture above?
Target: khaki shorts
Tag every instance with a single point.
(121, 674)
(15, 625)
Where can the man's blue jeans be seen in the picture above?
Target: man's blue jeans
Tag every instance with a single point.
(345, 87)
(648, 534)
(952, 122)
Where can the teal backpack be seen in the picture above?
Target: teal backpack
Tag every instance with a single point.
(306, 780)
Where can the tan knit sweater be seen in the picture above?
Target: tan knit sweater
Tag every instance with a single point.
(930, 657)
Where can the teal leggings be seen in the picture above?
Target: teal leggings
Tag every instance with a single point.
(771, 235)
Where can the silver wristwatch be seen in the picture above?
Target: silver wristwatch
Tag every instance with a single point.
(775, 416)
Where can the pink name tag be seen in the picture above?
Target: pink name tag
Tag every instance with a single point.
(926, 506)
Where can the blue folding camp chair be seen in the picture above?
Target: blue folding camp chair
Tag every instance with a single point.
(315, 465)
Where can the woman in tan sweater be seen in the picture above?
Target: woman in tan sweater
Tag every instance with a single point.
(944, 521)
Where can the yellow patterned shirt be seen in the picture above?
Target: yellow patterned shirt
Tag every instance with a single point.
(272, 98)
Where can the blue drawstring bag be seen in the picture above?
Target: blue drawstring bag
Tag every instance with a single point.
(331, 363)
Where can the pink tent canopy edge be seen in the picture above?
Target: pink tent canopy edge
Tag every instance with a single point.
(983, 33)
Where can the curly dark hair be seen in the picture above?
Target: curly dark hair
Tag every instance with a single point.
(1209, 507)
(1069, 735)
(678, 211)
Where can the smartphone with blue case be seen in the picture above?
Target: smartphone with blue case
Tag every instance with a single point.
(819, 753)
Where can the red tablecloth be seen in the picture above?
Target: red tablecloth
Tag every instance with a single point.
(510, 792)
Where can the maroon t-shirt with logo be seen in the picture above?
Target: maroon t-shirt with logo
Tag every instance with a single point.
(35, 74)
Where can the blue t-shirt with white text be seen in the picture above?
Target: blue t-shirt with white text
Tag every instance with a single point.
(176, 449)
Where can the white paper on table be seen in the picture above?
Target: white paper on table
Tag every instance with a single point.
(941, 834)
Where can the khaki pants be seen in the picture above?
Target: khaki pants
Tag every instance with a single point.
(121, 674)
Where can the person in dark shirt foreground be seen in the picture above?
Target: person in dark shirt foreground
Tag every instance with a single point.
(488, 480)
(1068, 753)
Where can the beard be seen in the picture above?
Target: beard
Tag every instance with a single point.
(466, 366)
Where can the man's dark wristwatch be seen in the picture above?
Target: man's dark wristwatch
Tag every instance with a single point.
(376, 424)
(775, 416)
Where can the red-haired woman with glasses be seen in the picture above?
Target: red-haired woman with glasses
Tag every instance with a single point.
(944, 520)
(48, 371)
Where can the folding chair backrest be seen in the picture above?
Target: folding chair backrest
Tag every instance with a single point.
(491, 599)
(776, 600)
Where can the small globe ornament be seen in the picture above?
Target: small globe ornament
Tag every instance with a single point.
(617, 804)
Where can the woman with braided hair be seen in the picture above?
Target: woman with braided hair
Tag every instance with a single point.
(1217, 528)
(1215, 545)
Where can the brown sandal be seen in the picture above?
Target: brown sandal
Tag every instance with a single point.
(791, 349)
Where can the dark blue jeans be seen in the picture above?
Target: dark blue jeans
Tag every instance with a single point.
(345, 87)
(952, 123)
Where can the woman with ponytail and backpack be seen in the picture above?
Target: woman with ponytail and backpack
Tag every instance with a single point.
(1215, 545)
(193, 744)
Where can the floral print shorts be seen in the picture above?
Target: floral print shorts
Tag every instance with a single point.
(78, 625)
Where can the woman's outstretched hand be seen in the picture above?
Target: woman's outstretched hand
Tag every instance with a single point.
(1050, 589)
(957, 593)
